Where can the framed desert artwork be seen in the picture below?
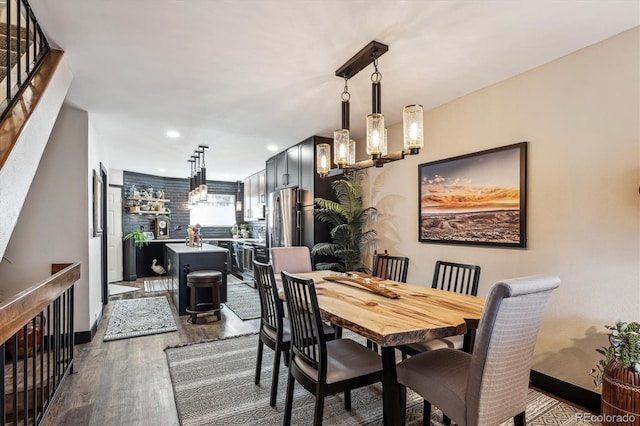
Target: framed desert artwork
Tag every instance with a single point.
(475, 199)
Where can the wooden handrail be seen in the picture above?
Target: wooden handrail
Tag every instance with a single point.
(21, 308)
(18, 115)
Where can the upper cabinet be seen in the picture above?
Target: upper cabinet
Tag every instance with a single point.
(295, 167)
(255, 195)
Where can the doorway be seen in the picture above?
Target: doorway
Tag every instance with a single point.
(114, 234)
(103, 237)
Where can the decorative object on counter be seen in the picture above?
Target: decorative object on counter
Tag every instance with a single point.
(344, 147)
(162, 226)
(244, 230)
(347, 216)
(198, 190)
(158, 269)
(619, 371)
(235, 231)
(194, 239)
(139, 238)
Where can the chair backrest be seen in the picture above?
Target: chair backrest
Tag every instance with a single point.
(271, 308)
(390, 267)
(307, 339)
(499, 374)
(456, 277)
(291, 259)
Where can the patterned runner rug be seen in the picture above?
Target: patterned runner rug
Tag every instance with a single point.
(140, 317)
(213, 385)
(243, 300)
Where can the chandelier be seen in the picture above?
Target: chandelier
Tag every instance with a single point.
(344, 148)
(198, 190)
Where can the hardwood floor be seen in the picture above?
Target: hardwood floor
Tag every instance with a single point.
(127, 381)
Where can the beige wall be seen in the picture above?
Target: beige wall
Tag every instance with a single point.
(580, 115)
(54, 225)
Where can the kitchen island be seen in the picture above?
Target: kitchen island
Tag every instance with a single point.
(182, 259)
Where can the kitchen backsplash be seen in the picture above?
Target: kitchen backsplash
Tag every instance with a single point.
(175, 190)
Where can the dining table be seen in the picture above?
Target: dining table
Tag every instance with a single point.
(392, 314)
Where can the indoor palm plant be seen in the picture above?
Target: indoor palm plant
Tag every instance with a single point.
(348, 217)
(619, 370)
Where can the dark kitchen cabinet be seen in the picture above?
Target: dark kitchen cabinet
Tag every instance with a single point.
(298, 163)
(270, 177)
(287, 170)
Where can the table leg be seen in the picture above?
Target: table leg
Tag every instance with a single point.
(390, 389)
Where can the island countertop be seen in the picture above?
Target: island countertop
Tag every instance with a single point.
(181, 240)
(185, 249)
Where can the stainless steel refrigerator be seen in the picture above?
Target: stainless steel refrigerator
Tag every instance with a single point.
(284, 218)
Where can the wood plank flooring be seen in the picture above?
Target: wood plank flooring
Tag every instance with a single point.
(127, 381)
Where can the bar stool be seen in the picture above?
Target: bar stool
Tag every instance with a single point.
(204, 279)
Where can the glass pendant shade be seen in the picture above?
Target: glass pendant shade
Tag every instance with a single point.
(412, 126)
(375, 134)
(352, 151)
(341, 147)
(323, 158)
(204, 192)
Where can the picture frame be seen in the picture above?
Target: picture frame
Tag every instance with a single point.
(97, 204)
(475, 199)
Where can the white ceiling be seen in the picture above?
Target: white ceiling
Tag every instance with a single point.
(240, 75)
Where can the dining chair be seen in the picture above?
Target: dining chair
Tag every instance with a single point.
(449, 276)
(275, 331)
(326, 367)
(292, 259)
(390, 267)
(489, 386)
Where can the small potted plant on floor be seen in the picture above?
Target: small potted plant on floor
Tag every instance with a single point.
(619, 371)
(133, 241)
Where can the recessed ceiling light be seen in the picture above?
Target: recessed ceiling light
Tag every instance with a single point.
(272, 148)
(173, 134)
(162, 170)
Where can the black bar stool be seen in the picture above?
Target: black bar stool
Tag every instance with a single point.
(204, 279)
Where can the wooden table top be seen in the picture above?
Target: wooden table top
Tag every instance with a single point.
(419, 314)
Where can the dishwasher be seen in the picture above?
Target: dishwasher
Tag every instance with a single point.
(247, 264)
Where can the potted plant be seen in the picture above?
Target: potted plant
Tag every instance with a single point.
(244, 230)
(138, 238)
(619, 371)
(134, 240)
(348, 217)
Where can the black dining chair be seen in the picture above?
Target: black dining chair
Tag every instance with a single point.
(326, 367)
(275, 331)
(389, 268)
(449, 276)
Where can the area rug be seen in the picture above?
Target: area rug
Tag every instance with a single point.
(140, 317)
(213, 385)
(243, 300)
(115, 289)
(159, 284)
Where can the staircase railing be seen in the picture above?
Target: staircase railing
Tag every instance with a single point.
(25, 45)
(36, 352)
